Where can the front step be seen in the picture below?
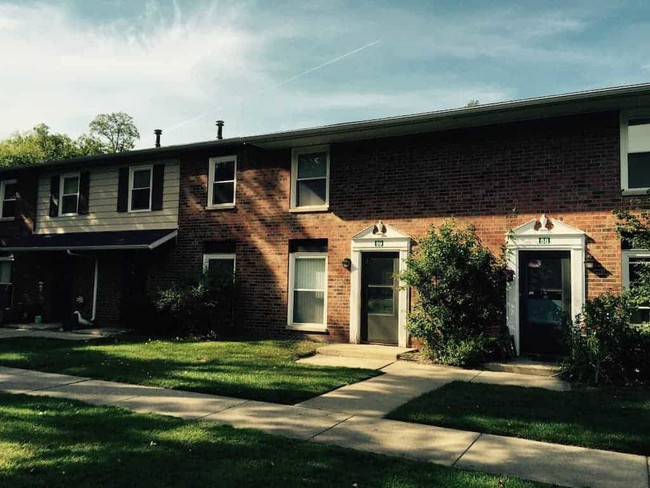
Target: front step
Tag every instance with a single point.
(525, 366)
(364, 351)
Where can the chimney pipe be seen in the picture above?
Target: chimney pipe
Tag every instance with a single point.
(158, 132)
(220, 124)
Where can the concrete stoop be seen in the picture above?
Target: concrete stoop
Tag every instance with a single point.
(364, 351)
(525, 366)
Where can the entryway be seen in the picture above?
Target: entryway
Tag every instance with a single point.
(379, 298)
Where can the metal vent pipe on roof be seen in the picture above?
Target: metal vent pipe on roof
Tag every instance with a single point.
(220, 124)
(158, 133)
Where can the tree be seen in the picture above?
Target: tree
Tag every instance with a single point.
(36, 146)
(116, 132)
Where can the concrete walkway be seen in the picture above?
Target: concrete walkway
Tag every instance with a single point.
(550, 463)
(77, 335)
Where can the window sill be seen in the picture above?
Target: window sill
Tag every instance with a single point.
(307, 327)
(7, 219)
(319, 208)
(68, 215)
(635, 191)
(223, 206)
(140, 211)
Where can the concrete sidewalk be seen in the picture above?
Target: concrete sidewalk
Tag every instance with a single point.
(550, 463)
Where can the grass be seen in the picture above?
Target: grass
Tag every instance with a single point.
(57, 443)
(615, 419)
(257, 370)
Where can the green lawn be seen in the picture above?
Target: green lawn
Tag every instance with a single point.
(258, 370)
(615, 419)
(57, 443)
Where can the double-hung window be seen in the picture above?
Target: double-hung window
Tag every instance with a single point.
(222, 182)
(308, 291)
(140, 185)
(220, 267)
(69, 194)
(8, 195)
(310, 169)
(633, 263)
(635, 154)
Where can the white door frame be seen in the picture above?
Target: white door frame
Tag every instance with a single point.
(372, 239)
(553, 236)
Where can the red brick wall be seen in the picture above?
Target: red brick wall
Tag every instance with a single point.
(495, 178)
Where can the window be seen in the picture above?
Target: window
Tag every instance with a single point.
(5, 271)
(310, 169)
(222, 182)
(69, 191)
(140, 183)
(220, 267)
(633, 261)
(8, 194)
(635, 154)
(307, 291)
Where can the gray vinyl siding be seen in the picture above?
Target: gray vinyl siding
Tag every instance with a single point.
(103, 214)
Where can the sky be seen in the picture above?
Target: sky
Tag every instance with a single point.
(265, 66)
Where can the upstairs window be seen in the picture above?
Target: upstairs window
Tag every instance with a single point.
(140, 184)
(8, 195)
(69, 191)
(222, 179)
(635, 154)
(310, 169)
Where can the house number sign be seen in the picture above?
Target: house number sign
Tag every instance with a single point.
(379, 243)
(544, 240)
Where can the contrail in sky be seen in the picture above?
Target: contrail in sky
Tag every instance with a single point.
(288, 80)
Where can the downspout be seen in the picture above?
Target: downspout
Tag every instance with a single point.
(95, 283)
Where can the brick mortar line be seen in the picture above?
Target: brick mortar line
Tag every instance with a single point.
(468, 448)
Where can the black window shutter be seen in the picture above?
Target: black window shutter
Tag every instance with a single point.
(158, 186)
(54, 195)
(123, 190)
(84, 190)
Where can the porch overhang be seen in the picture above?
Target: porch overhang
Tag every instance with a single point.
(130, 240)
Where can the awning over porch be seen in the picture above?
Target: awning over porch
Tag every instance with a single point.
(91, 241)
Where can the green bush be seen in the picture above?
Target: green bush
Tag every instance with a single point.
(200, 307)
(460, 288)
(604, 347)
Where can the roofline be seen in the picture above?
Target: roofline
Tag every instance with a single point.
(364, 125)
(113, 247)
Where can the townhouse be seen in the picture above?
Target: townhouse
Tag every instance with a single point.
(315, 223)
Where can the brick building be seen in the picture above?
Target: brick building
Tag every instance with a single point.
(315, 222)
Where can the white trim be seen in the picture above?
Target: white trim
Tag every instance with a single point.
(295, 153)
(62, 179)
(133, 169)
(393, 241)
(562, 238)
(625, 117)
(211, 173)
(318, 327)
(3, 185)
(230, 256)
(626, 255)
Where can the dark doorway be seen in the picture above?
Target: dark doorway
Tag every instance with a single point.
(61, 289)
(544, 300)
(134, 303)
(379, 298)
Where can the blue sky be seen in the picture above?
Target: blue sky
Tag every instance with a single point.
(264, 66)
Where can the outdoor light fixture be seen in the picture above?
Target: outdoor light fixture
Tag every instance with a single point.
(346, 263)
(589, 261)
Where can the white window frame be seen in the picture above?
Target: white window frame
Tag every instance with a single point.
(9, 259)
(132, 170)
(318, 327)
(220, 256)
(295, 153)
(61, 194)
(625, 117)
(211, 182)
(3, 186)
(631, 254)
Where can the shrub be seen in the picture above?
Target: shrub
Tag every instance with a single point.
(200, 307)
(604, 347)
(460, 286)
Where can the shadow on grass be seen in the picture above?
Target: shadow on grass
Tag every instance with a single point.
(615, 419)
(257, 370)
(53, 443)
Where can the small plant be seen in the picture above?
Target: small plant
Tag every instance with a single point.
(200, 307)
(460, 288)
